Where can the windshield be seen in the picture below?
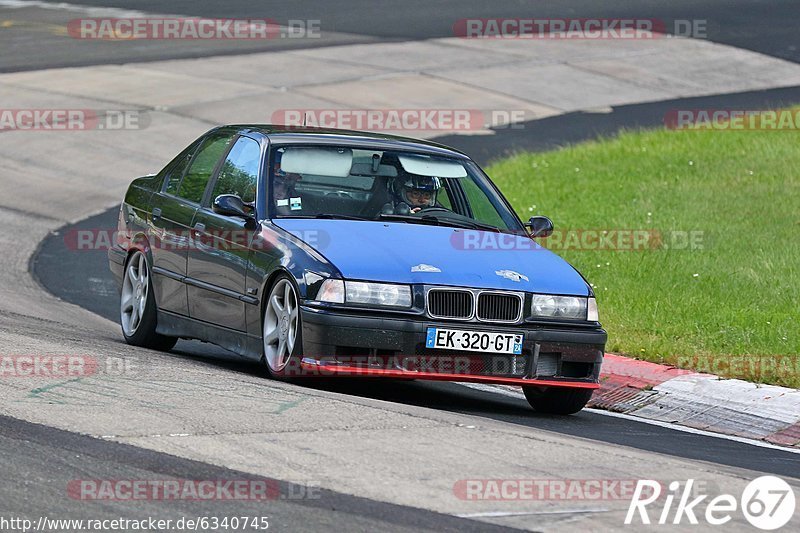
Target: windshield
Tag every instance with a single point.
(391, 186)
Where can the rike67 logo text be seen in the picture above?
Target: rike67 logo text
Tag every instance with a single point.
(767, 502)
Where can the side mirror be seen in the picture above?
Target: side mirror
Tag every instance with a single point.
(230, 205)
(540, 226)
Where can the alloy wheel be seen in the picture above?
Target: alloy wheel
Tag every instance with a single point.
(280, 325)
(135, 287)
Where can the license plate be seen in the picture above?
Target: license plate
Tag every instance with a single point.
(474, 341)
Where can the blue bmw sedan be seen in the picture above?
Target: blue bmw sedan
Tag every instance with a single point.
(342, 253)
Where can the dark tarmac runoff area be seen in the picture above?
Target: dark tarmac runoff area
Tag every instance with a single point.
(32, 42)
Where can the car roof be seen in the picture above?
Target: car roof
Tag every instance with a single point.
(281, 134)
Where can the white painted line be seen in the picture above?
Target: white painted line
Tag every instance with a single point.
(497, 390)
(685, 429)
(492, 514)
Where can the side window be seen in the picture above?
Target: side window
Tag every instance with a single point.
(176, 168)
(482, 208)
(443, 198)
(194, 183)
(239, 172)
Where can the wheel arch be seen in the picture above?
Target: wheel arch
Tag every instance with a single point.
(139, 243)
(270, 282)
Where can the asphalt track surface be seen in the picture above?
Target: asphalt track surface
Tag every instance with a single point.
(744, 24)
(68, 455)
(761, 25)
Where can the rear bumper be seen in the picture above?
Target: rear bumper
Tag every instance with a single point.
(339, 344)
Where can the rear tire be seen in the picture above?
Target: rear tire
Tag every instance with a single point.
(137, 307)
(557, 400)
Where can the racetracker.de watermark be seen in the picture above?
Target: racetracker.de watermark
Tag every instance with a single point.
(182, 28)
(401, 119)
(733, 119)
(757, 368)
(190, 490)
(544, 489)
(47, 366)
(578, 28)
(621, 240)
(94, 240)
(40, 119)
(59, 366)
(410, 365)
(600, 489)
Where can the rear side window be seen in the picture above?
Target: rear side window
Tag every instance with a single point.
(205, 160)
(239, 172)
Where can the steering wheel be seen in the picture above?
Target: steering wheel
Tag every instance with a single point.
(432, 209)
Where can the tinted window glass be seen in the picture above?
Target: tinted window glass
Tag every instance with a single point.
(176, 168)
(443, 198)
(482, 208)
(239, 172)
(349, 182)
(194, 183)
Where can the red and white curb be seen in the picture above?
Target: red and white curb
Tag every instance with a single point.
(700, 401)
(665, 395)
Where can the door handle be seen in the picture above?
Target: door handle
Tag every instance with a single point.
(198, 229)
(156, 213)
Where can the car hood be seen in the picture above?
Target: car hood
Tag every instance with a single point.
(437, 255)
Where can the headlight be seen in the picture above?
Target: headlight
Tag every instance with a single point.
(382, 294)
(360, 292)
(569, 307)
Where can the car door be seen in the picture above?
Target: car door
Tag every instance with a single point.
(173, 209)
(217, 264)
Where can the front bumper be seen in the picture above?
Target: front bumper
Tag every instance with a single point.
(344, 343)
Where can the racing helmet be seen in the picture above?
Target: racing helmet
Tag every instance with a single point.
(415, 190)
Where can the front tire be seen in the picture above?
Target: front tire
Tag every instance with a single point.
(281, 330)
(557, 400)
(137, 307)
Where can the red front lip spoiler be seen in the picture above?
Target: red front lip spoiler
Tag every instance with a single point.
(317, 369)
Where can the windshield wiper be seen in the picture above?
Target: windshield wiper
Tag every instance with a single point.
(332, 216)
(413, 219)
(438, 221)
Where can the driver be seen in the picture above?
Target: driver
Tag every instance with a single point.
(411, 194)
(283, 188)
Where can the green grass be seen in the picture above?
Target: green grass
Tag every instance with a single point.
(706, 308)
